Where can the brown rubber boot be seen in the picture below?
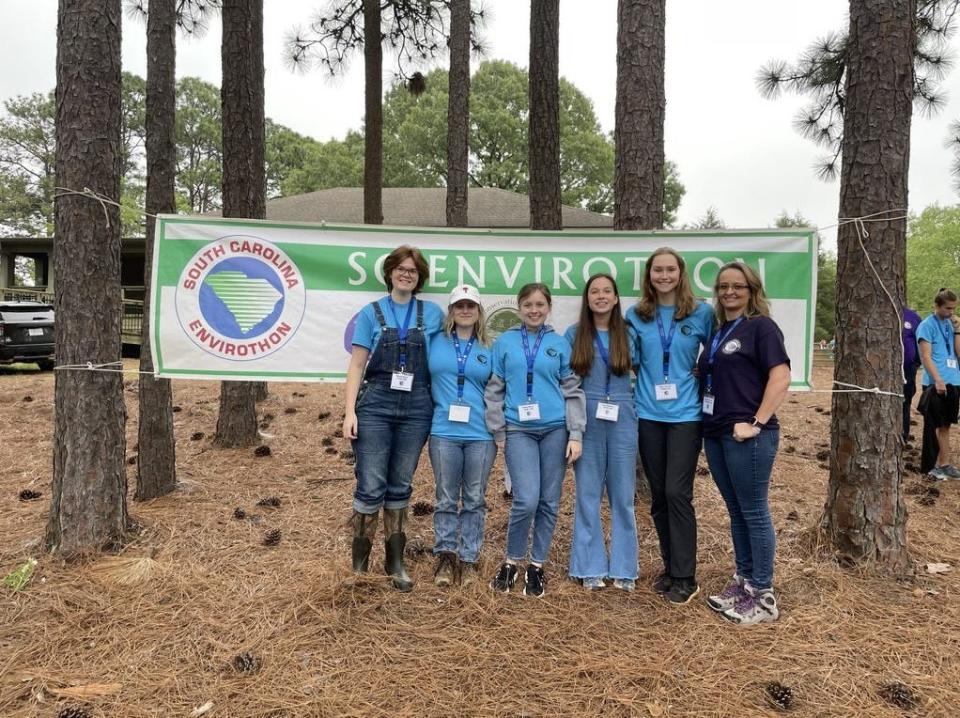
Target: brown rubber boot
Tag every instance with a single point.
(395, 540)
(364, 529)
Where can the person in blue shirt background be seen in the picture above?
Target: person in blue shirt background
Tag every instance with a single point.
(940, 402)
(911, 362)
(461, 449)
(534, 399)
(387, 407)
(604, 347)
(671, 325)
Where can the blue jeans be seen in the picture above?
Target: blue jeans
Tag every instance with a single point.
(741, 471)
(537, 462)
(609, 461)
(392, 427)
(461, 469)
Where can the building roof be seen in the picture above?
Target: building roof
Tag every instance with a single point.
(488, 207)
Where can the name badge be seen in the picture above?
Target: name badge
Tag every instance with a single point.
(459, 413)
(951, 363)
(607, 412)
(665, 392)
(401, 381)
(708, 404)
(529, 412)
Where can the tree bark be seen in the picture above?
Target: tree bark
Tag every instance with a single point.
(865, 518)
(88, 510)
(641, 101)
(544, 91)
(244, 174)
(156, 459)
(458, 113)
(373, 119)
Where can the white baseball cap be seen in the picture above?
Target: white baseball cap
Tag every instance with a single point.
(464, 291)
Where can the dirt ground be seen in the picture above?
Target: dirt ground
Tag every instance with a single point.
(157, 631)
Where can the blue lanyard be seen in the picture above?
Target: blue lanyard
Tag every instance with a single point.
(665, 341)
(402, 329)
(947, 336)
(714, 345)
(461, 362)
(605, 355)
(531, 357)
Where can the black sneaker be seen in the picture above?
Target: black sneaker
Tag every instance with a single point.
(505, 578)
(682, 591)
(535, 583)
(662, 584)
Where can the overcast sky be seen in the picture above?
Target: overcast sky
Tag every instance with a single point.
(735, 150)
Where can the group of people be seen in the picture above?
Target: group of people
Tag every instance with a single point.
(658, 379)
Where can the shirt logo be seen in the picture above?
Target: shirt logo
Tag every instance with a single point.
(907, 325)
(551, 352)
(482, 358)
(732, 346)
(240, 298)
(686, 330)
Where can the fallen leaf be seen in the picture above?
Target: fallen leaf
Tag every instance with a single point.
(655, 709)
(88, 690)
(936, 568)
(202, 710)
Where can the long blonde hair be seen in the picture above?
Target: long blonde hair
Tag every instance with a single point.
(685, 302)
(757, 305)
(479, 328)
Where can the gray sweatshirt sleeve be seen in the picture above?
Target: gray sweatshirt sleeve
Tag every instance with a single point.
(493, 397)
(576, 406)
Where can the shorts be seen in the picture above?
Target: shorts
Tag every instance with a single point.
(940, 409)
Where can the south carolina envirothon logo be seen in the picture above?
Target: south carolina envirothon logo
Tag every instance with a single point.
(240, 298)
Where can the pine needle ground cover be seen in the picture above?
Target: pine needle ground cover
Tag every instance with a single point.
(197, 616)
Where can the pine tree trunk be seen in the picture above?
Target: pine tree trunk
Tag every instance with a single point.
(638, 136)
(156, 460)
(544, 92)
(373, 119)
(458, 113)
(865, 518)
(88, 510)
(244, 174)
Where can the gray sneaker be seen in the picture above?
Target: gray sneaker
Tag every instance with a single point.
(594, 583)
(728, 597)
(951, 471)
(937, 473)
(754, 607)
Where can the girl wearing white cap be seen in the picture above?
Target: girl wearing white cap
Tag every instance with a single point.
(461, 449)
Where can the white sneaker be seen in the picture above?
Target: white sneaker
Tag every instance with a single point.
(951, 471)
(754, 607)
(937, 473)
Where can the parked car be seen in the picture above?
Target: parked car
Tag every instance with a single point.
(26, 333)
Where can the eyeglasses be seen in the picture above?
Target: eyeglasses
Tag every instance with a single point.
(405, 272)
(735, 287)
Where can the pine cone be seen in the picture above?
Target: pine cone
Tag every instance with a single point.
(239, 514)
(29, 495)
(246, 662)
(273, 501)
(326, 441)
(262, 450)
(422, 508)
(73, 712)
(899, 695)
(289, 410)
(196, 436)
(323, 416)
(272, 537)
(779, 695)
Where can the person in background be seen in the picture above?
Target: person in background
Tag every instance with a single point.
(671, 325)
(387, 407)
(534, 399)
(744, 377)
(461, 449)
(937, 338)
(911, 362)
(604, 347)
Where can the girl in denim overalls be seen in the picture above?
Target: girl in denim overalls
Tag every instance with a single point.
(388, 413)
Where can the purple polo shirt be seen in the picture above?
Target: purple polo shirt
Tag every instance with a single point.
(911, 320)
(741, 367)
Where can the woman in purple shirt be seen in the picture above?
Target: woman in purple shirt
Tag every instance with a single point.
(744, 377)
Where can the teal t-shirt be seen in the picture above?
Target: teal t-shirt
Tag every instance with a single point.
(939, 334)
(690, 334)
(594, 384)
(552, 364)
(443, 388)
(366, 333)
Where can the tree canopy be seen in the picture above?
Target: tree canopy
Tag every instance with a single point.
(933, 255)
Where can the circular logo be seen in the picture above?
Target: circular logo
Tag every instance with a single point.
(501, 318)
(731, 346)
(240, 298)
(686, 330)
(907, 325)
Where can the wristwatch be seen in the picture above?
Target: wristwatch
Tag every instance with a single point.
(757, 423)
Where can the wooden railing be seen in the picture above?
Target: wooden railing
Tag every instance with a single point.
(131, 312)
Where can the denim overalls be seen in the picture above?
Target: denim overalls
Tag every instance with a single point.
(392, 425)
(608, 463)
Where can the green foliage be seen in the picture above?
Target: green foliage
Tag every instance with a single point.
(199, 145)
(933, 255)
(415, 143)
(26, 165)
(710, 220)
